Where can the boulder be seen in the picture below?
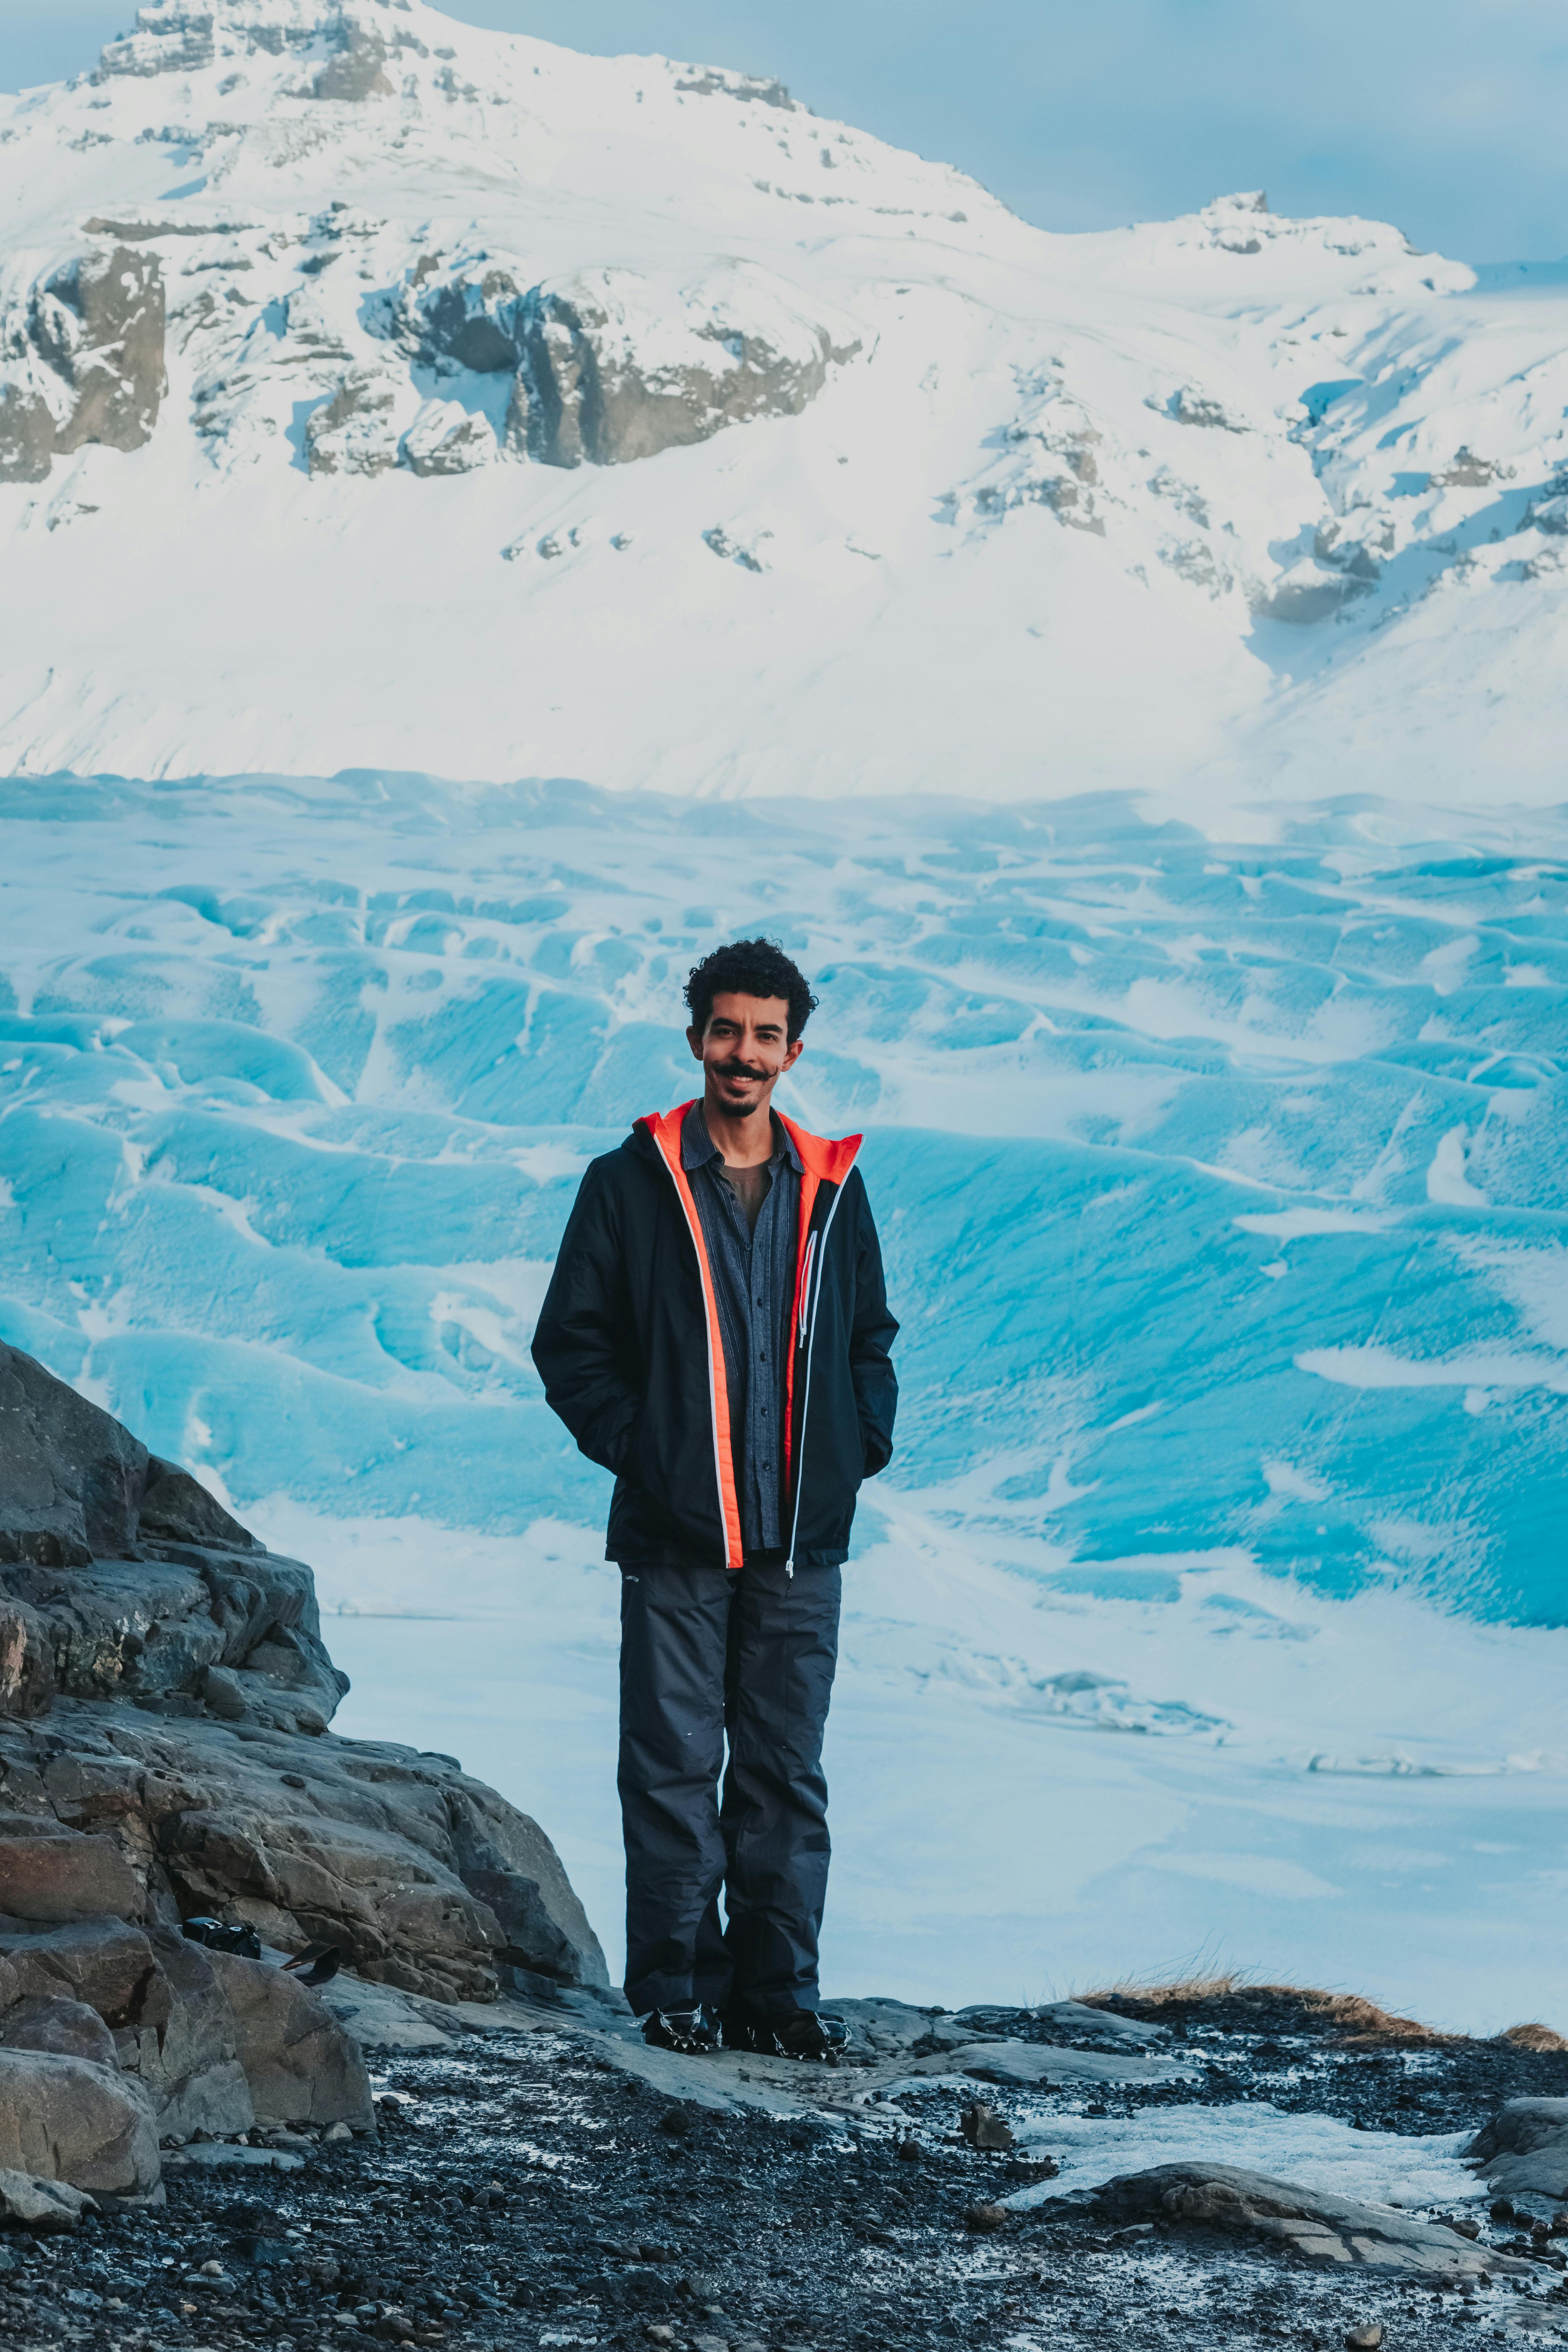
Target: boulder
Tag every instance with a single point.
(69, 1877)
(1336, 2231)
(66, 2119)
(1524, 2148)
(184, 2048)
(42, 2205)
(154, 1999)
(301, 2065)
(68, 2026)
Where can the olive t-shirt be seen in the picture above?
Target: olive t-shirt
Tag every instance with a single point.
(751, 1187)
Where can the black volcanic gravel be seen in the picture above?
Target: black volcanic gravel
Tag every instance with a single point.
(524, 2191)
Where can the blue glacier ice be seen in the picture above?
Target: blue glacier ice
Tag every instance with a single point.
(1222, 1183)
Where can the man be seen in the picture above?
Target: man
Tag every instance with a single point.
(716, 1332)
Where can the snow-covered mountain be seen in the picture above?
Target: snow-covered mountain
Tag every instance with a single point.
(381, 391)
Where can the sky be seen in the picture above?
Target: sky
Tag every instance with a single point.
(1445, 116)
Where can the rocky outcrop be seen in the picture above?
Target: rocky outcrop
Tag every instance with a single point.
(121, 1577)
(608, 366)
(1307, 592)
(165, 1752)
(447, 439)
(100, 322)
(165, 1755)
(82, 361)
(174, 36)
(355, 432)
(1523, 2150)
(167, 39)
(357, 69)
(597, 387)
(1320, 2228)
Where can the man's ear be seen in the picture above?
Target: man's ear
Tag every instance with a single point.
(694, 1039)
(791, 1055)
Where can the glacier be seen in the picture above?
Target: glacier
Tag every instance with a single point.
(1214, 1602)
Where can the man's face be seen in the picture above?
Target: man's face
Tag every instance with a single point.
(744, 1050)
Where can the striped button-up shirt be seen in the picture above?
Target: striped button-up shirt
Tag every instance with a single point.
(753, 1277)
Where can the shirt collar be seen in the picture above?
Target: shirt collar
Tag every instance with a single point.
(697, 1146)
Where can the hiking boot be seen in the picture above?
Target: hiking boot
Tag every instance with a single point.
(795, 2033)
(691, 2031)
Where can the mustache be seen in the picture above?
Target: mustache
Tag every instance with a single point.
(739, 1070)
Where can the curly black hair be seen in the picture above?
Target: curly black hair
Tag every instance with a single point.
(749, 968)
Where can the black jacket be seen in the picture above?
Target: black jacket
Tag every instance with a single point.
(628, 1348)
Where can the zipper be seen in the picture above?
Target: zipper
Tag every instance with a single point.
(808, 1334)
(806, 1286)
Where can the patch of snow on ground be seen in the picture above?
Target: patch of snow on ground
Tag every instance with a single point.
(1314, 2151)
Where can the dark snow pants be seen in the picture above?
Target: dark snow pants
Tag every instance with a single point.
(706, 1655)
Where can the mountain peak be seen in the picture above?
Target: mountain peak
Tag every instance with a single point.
(354, 42)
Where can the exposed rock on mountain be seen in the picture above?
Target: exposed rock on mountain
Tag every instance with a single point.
(601, 384)
(355, 432)
(171, 38)
(85, 353)
(610, 365)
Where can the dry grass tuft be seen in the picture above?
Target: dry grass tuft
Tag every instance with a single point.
(1361, 2023)
(1162, 1996)
(1364, 2024)
(1534, 2037)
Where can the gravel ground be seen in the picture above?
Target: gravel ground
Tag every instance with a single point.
(525, 2191)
